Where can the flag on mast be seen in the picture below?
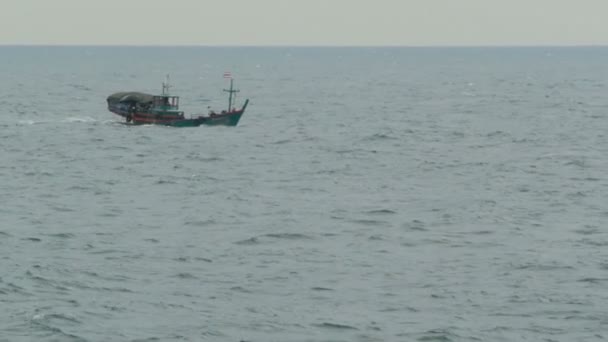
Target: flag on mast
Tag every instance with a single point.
(227, 74)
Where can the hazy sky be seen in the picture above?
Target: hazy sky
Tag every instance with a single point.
(305, 22)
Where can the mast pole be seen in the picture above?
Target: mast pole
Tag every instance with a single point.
(230, 97)
(231, 91)
(166, 86)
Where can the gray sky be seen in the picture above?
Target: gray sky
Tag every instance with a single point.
(305, 22)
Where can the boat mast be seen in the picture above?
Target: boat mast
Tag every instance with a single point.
(231, 91)
(166, 86)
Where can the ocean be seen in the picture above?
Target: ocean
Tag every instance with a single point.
(367, 194)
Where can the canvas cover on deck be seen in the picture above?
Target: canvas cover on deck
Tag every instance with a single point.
(130, 97)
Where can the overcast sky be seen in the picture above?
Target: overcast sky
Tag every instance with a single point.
(305, 22)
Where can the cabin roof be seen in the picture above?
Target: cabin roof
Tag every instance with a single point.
(130, 96)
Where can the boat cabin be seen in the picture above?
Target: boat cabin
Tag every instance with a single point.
(165, 102)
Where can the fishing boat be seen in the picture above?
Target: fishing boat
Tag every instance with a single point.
(141, 108)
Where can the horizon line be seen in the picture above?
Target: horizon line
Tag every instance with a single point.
(310, 45)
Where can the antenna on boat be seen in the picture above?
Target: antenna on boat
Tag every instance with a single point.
(231, 91)
(166, 86)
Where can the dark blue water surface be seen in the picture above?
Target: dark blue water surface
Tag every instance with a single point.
(368, 194)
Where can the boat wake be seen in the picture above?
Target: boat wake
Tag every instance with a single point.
(84, 119)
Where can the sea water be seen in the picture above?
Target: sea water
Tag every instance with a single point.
(367, 194)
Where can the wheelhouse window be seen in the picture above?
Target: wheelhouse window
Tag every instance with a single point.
(171, 102)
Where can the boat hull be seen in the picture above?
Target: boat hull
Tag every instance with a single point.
(228, 119)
